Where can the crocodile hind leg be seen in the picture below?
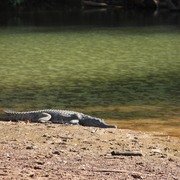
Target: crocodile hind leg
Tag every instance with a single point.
(44, 117)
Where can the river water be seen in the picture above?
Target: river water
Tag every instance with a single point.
(116, 64)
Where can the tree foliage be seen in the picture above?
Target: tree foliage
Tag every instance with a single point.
(27, 4)
(51, 4)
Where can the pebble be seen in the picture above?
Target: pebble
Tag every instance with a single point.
(56, 152)
(156, 151)
(37, 167)
(29, 147)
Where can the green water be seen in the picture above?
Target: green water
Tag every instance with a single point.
(85, 67)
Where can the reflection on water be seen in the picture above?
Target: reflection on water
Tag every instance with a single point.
(114, 17)
(126, 68)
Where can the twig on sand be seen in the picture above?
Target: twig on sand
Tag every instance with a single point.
(132, 173)
(126, 153)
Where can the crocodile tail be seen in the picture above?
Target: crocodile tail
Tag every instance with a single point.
(9, 111)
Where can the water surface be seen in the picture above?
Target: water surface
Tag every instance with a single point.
(128, 75)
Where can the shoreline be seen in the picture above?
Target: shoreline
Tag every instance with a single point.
(56, 151)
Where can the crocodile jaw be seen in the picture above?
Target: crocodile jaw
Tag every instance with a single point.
(96, 123)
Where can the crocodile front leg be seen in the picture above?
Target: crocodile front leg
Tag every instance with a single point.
(74, 122)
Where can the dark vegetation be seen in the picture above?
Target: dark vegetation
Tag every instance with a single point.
(24, 5)
(29, 4)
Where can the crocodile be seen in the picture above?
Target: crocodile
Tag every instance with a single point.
(57, 116)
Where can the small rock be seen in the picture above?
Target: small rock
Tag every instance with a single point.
(3, 174)
(151, 147)
(110, 131)
(137, 175)
(51, 126)
(8, 155)
(85, 148)
(73, 150)
(31, 175)
(170, 159)
(135, 141)
(93, 131)
(46, 135)
(49, 156)
(46, 175)
(156, 151)
(167, 149)
(37, 167)
(40, 162)
(140, 163)
(29, 147)
(56, 152)
(163, 156)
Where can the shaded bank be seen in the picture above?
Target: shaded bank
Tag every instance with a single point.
(69, 16)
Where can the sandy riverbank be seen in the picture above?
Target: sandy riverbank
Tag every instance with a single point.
(54, 151)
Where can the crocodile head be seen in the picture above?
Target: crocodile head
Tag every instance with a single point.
(95, 122)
